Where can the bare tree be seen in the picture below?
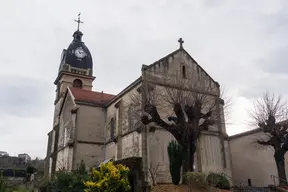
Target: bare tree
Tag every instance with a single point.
(270, 115)
(154, 172)
(188, 110)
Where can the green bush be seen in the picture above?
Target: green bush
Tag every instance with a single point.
(3, 186)
(43, 184)
(110, 178)
(218, 180)
(67, 181)
(196, 180)
(175, 161)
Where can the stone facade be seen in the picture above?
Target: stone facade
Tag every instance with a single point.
(212, 155)
(252, 161)
(93, 126)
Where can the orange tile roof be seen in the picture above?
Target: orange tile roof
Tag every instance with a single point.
(94, 97)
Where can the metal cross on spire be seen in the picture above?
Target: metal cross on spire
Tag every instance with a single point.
(181, 42)
(78, 21)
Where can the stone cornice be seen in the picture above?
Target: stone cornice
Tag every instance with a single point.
(72, 74)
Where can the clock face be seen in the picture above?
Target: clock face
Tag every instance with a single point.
(80, 53)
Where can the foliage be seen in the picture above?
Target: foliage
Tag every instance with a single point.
(218, 180)
(175, 160)
(69, 181)
(38, 164)
(154, 171)
(3, 186)
(18, 189)
(42, 184)
(30, 169)
(110, 178)
(196, 180)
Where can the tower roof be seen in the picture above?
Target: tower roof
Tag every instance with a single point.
(77, 55)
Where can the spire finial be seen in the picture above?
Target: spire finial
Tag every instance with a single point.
(78, 21)
(181, 42)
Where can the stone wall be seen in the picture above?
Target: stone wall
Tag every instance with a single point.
(64, 158)
(91, 154)
(110, 150)
(90, 124)
(250, 160)
(126, 141)
(89, 143)
(158, 155)
(167, 77)
(211, 158)
(164, 73)
(66, 124)
(131, 145)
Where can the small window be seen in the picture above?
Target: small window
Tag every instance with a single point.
(183, 71)
(112, 128)
(77, 83)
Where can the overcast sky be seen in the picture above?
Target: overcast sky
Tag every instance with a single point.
(241, 43)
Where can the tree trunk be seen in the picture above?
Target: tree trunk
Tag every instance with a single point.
(191, 152)
(280, 163)
(188, 160)
(184, 164)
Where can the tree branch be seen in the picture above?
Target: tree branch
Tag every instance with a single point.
(179, 112)
(264, 143)
(174, 119)
(155, 117)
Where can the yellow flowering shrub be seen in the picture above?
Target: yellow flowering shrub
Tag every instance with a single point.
(110, 178)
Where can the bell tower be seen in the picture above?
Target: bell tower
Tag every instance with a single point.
(75, 70)
(76, 65)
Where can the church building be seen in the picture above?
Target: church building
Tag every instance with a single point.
(93, 126)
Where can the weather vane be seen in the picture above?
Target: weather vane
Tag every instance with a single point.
(78, 21)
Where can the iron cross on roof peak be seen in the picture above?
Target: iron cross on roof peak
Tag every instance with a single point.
(181, 42)
(78, 21)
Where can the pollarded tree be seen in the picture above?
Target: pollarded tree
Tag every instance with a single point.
(192, 108)
(270, 114)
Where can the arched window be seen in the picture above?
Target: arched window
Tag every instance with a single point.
(183, 71)
(112, 128)
(77, 83)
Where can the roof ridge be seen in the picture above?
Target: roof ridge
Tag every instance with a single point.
(93, 91)
(165, 57)
(181, 49)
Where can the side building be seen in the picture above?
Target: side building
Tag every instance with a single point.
(253, 161)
